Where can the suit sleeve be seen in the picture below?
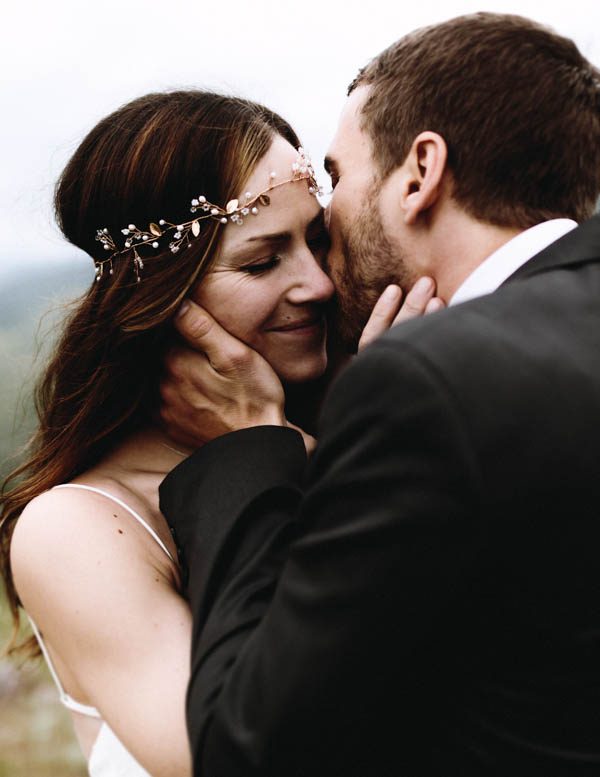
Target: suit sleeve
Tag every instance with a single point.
(327, 593)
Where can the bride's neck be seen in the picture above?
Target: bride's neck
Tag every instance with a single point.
(146, 452)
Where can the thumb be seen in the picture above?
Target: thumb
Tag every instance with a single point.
(202, 332)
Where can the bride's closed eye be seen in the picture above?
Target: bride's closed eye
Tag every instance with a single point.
(261, 267)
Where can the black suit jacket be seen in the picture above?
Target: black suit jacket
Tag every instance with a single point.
(424, 597)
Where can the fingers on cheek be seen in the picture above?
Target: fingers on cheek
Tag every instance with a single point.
(199, 328)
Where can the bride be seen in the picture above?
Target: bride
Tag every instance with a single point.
(176, 195)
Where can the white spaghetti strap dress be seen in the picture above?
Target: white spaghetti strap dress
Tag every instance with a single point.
(108, 757)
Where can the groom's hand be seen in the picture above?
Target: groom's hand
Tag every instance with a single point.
(214, 384)
(390, 309)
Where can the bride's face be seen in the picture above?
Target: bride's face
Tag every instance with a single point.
(267, 286)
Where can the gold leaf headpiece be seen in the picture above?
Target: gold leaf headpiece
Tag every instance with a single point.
(180, 235)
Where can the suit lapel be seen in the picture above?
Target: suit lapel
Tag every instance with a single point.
(579, 246)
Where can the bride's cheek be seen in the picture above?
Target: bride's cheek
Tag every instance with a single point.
(240, 302)
(218, 292)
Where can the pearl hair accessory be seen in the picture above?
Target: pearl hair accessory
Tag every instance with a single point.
(181, 234)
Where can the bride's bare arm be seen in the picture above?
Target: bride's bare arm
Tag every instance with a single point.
(104, 595)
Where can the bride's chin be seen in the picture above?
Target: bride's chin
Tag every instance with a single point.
(302, 371)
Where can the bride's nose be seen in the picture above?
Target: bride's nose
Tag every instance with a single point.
(310, 282)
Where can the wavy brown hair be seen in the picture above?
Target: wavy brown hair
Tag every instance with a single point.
(517, 104)
(143, 162)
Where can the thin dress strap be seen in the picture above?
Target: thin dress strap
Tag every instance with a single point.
(122, 504)
(67, 700)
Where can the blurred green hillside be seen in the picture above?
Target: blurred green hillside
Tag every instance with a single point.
(36, 738)
(31, 307)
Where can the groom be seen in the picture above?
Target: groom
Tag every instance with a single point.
(424, 597)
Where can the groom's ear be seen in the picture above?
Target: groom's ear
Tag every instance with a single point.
(421, 175)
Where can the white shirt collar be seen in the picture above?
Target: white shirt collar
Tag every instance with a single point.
(500, 265)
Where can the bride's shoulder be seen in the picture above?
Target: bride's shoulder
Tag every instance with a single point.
(55, 510)
(63, 528)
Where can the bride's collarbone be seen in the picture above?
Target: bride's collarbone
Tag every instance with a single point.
(139, 493)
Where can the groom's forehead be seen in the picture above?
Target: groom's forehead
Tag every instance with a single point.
(350, 140)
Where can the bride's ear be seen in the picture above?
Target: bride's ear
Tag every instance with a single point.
(421, 175)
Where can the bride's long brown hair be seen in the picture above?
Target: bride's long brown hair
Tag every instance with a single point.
(145, 161)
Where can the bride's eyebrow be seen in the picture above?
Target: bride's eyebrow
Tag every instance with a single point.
(280, 237)
(254, 245)
(273, 239)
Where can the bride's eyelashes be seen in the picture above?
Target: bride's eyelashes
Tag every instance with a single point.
(318, 246)
(262, 267)
(316, 238)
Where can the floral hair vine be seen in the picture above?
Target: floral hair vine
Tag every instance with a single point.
(181, 234)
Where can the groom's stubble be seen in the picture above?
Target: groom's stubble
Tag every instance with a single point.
(371, 264)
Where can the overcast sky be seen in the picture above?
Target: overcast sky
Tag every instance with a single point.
(65, 64)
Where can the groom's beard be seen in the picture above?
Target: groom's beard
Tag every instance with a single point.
(371, 264)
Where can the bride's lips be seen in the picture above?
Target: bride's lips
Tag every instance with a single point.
(310, 325)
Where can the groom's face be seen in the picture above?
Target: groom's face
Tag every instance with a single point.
(362, 260)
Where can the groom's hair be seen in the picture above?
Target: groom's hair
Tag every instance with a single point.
(518, 107)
